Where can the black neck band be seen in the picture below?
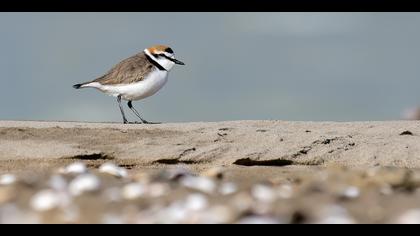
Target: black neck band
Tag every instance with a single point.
(155, 63)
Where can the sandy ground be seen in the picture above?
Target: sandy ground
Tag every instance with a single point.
(213, 172)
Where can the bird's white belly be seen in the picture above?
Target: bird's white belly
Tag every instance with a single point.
(139, 90)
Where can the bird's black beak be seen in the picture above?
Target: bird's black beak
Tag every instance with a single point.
(178, 62)
(173, 60)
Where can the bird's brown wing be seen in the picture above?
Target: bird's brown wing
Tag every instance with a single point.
(130, 70)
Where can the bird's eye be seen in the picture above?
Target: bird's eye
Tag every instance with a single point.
(169, 50)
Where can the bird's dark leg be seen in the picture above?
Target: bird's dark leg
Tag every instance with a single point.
(121, 109)
(130, 105)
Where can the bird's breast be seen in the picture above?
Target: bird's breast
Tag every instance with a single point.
(149, 86)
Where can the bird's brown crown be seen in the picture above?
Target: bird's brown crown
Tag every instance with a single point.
(156, 49)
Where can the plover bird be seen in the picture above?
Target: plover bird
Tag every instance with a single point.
(136, 77)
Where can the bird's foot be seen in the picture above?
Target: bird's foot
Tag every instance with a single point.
(133, 123)
(151, 123)
(142, 122)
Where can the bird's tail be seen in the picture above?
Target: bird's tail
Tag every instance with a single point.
(77, 86)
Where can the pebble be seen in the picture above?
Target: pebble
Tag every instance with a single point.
(263, 193)
(242, 202)
(7, 179)
(133, 191)
(203, 184)
(411, 216)
(216, 173)
(174, 173)
(218, 214)
(58, 183)
(45, 200)
(74, 168)
(112, 194)
(114, 170)
(196, 202)
(175, 213)
(284, 191)
(11, 214)
(350, 192)
(113, 219)
(334, 214)
(157, 189)
(71, 214)
(227, 188)
(84, 183)
(7, 194)
(180, 197)
(386, 190)
(258, 220)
